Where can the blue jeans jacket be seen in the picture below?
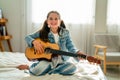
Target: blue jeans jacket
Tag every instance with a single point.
(65, 43)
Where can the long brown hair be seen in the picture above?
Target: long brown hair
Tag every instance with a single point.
(45, 29)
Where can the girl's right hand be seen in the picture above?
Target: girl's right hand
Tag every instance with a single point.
(39, 48)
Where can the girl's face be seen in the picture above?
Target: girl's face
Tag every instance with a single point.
(53, 21)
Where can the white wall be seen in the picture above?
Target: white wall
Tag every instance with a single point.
(14, 11)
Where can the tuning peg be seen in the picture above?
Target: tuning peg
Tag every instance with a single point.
(98, 61)
(90, 58)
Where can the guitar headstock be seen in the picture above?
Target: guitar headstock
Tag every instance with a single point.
(93, 60)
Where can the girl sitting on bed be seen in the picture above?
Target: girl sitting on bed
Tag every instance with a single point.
(53, 31)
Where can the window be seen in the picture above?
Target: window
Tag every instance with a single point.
(72, 11)
(113, 15)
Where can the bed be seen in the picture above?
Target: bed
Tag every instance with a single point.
(9, 61)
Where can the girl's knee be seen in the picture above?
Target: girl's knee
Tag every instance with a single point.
(40, 68)
(68, 69)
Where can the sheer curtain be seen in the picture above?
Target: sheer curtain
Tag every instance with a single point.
(113, 16)
(78, 16)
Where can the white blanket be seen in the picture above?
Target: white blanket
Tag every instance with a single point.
(9, 61)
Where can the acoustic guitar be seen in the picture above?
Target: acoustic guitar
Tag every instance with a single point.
(52, 48)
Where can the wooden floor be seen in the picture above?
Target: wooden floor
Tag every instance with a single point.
(113, 73)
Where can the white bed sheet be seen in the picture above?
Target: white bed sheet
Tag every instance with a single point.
(9, 61)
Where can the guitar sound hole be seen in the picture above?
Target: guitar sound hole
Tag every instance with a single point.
(47, 50)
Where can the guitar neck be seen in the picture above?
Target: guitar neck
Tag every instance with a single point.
(59, 52)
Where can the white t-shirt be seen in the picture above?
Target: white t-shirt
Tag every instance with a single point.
(56, 36)
(56, 60)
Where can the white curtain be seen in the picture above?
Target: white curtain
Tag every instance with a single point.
(82, 35)
(78, 16)
(113, 16)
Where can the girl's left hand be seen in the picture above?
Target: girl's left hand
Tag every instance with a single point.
(83, 55)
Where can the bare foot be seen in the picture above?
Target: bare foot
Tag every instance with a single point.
(22, 67)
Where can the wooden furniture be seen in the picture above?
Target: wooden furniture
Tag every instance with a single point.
(101, 57)
(107, 48)
(5, 36)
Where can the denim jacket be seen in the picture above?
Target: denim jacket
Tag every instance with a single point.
(65, 43)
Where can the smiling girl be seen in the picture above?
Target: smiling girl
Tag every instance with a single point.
(53, 31)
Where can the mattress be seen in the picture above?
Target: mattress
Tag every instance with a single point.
(10, 60)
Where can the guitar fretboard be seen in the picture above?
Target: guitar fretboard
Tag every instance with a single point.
(59, 52)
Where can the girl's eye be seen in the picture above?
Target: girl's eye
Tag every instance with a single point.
(56, 18)
(50, 18)
(53, 19)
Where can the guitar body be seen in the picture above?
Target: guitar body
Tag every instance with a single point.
(31, 54)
